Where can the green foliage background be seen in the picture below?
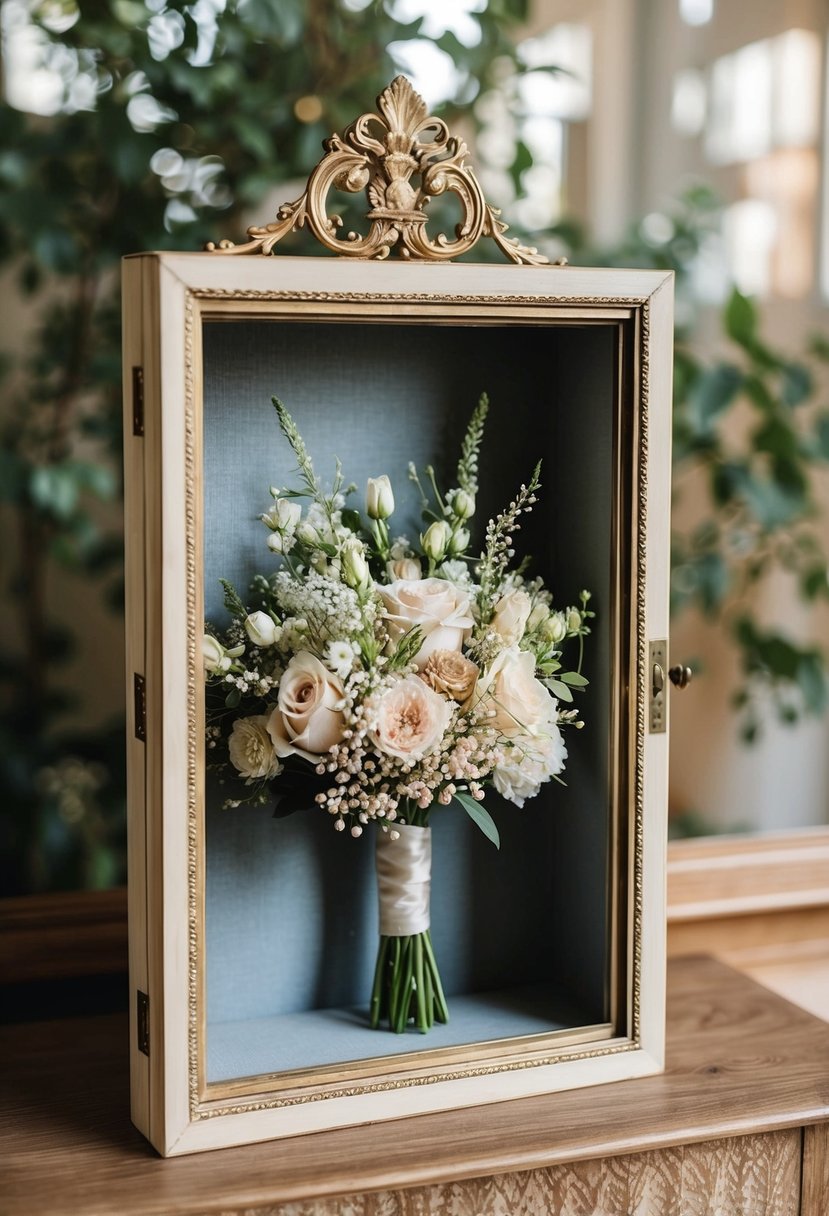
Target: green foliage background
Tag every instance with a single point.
(167, 154)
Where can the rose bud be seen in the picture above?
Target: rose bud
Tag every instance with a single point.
(461, 504)
(355, 567)
(435, 540)
(261, 629)
(459, 541)
(379, 498)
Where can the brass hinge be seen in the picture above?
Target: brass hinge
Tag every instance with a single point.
(657, 669)
(140, 701)
(142, 1021)
(138, 401)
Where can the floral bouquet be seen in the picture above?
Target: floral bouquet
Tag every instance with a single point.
(379, 678)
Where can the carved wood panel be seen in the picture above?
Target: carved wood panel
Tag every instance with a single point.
(744, 1176)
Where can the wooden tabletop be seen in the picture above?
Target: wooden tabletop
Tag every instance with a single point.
(740, 1060)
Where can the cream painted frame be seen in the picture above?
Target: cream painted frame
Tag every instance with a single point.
(164, 297)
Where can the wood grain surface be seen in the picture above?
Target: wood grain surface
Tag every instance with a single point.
(744, 1176)
(815, 1195)
(741, 1062)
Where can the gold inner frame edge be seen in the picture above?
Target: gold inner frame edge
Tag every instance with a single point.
(628, 700)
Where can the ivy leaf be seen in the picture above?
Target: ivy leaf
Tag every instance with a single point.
(480, 817)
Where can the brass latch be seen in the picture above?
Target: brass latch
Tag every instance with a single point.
(680, 677)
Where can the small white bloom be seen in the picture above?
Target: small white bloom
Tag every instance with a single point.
(574, 620)
(379, 497)
(400, 548)
(538, 616)
(530, 762)
(283, 516)
(456, 572)
(261, 629)
(339, 656)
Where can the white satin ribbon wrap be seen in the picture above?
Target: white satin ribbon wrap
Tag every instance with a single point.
(404, 873)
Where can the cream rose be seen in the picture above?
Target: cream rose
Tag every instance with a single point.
(448, 672)
(251, 748)
(308, 719)
(437, 606)
(511, 615)
(519, 704)
(411, 719)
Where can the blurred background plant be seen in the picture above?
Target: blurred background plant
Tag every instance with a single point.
(133, 125)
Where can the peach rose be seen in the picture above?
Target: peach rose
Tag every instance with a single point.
(437, 606)
(449, 672)
(411, 719)
(520, 703)
(308, 719)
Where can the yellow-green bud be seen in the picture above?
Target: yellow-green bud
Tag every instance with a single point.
(573, 620)
(462, 504)
(459, 541)
(435, 540)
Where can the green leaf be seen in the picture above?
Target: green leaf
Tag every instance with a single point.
(351, 519)
(480, 817)
(740, 319)
(233, 698)
(560, 690)
(711, 393)
(797, 383)
(574, 679)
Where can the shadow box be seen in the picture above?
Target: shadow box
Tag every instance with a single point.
(252, 937)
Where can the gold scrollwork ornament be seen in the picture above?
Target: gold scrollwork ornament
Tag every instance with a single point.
(402, 157)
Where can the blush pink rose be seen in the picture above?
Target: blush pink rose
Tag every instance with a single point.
(411, 719)
(308, 719)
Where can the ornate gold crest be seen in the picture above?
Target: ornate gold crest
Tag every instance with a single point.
(402, 157)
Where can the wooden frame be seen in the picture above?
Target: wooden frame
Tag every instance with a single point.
(166, 297)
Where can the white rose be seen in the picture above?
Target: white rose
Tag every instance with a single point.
(518, 703)
(511, 615)
(283, 516)
(251, 749)
(379, 498)
(538, 616)
(261, 629)
(404, 568)
(308, 719)
(555, 627)
(216, 657)
(528, 764)
(437, 606)
(411, 719)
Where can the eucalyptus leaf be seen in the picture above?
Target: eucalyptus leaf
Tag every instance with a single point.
(480, 817)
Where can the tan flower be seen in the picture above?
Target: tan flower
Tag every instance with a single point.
(411, 719)
(308, 719)
(449, 672)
